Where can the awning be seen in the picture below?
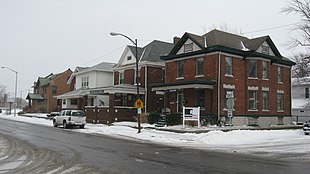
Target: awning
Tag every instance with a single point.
(32, 96)
(184, 84)
(121, 88)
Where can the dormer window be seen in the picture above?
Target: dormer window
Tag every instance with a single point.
(188, 47)
(265, 49)
(128, 57)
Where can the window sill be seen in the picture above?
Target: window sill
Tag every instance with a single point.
(228, 75)
(198, 76)
(252, 78)
(252, 110)
(225, 109)
(280, 111)
(180, 78)
(266, 79)
(280, 83)
(265, 110)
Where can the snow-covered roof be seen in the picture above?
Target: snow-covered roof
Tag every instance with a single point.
(300, 103)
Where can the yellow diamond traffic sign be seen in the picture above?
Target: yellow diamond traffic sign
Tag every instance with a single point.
(139, 104)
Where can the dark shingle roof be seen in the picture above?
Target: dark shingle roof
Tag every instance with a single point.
(32, 96)
(133, 50)
(155, 49)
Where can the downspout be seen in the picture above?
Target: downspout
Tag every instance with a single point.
(219, 88)
(145, 86)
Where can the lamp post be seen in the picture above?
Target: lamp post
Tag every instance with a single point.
(137, 70)
(15, 86)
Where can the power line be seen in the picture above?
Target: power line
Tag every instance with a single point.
(272, 28)
(109, 53)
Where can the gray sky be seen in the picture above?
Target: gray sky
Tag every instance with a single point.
(39, 37)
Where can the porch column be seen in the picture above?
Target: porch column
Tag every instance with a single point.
(111, 116)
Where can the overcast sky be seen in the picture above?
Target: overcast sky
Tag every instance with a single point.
(39, 37)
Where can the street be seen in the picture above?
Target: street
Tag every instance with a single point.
(32, 148)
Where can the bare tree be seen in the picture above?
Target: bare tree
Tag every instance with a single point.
(301, 8)
(302, 67)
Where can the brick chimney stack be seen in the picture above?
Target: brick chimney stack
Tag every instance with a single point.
(176, 40)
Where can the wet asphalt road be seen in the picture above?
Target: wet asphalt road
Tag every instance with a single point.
(73, 152)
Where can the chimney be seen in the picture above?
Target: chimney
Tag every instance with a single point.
(176, 40)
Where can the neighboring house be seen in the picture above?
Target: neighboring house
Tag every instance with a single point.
(123, 94)
(45, 90)
(301, 99)
(201, 70)
(86, 80)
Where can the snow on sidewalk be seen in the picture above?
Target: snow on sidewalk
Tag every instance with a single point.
(271, 142)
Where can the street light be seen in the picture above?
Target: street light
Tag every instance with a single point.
(137, 69)
(15, 86)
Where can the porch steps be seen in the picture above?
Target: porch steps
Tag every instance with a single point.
(161, 122)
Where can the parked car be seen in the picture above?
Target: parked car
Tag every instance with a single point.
(68, 118)
(307, 128)
(52, 114)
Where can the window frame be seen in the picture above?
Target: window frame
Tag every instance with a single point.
(252, 64)
(280, 102)
(180, 69)
(252, 100)
(265, 70)
(188, 47)
(265, 49)
(280, 74)
(200, 99)
(307, 93)
(228, 66)
(265, 101)
(200, 66)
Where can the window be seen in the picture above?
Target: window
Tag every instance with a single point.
(180, 65)
(265, 49)
(226, 98)
(199, 66)
(121, 78)
(252, 69)
(74, 101)
(128, 57)
(265, 100)
(63, 101)
(306, 92)
(280, 101)
(280, 76)
(85, 81)
(265, 70)
(228, 66)
(200, 97)
(54, 89)
(252, 100)
(188, 47)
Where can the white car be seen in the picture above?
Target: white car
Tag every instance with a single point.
(68, 118)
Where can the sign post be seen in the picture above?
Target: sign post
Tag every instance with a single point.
(139, 106)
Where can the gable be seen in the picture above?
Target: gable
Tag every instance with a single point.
(127, 58)
(188, 46)
(265, 48)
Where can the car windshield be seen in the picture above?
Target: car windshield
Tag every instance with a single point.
(78, 113)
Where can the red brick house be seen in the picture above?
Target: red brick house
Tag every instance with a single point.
(200, 70)
(123, 94)
(45, 89)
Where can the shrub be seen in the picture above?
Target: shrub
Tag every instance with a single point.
(173, 119)
(153, 117)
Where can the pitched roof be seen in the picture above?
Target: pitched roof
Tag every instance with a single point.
(155, 49)
(103, 66)
(32, 96)
(217, 40)
(133, 50)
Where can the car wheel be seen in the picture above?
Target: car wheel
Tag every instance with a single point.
(65, 125)
(54, 123)
(82, 126)
(306, 133)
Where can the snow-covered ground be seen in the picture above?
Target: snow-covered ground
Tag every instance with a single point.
(285, 144)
